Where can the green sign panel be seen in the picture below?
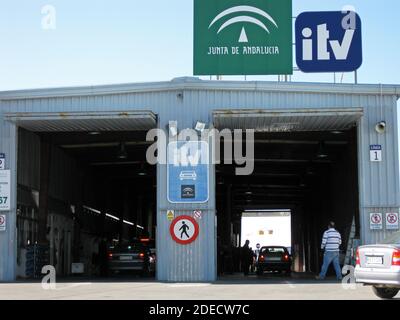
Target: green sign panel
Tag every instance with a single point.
(243, 37)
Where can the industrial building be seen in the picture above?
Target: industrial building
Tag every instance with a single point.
(78, 170)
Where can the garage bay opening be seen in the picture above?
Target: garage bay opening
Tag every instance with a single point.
(305, 174)
(86, 201)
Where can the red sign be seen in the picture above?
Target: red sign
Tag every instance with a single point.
(184, 230)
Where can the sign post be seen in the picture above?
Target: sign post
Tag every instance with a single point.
(5, 180)
(248, 37)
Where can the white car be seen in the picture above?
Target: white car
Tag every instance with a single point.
(379, 266)
(188, 175)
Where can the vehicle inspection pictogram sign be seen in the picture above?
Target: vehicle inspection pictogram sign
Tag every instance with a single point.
(376, 221)
(184, 230)
(392, 221)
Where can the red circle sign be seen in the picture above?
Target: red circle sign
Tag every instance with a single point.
(392, 218)
(184, 230)
(376, 218)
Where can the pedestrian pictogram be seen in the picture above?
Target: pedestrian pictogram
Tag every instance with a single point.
(392, 221)
(184, 229)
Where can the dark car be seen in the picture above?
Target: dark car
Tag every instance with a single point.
(274, 258)
(130, 257)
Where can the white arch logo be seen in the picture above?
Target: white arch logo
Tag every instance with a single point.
(243, 19)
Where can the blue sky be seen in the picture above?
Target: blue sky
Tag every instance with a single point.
(103, 42)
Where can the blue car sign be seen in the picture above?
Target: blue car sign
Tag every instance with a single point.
(328, 41)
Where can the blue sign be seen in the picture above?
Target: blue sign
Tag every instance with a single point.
(188, 172)
(375, 147)
(328, 41)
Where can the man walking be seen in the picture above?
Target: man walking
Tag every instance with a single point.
(331, 242)
(247, 258)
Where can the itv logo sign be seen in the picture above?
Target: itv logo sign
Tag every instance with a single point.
(328, 41)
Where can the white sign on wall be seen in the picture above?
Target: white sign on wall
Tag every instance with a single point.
(5, 180)
(3, 223)
(376, 222)
(375, 153)
(2, 161)
(392, 221)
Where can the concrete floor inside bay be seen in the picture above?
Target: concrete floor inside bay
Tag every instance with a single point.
(234, 287)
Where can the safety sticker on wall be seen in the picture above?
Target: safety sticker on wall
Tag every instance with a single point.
(392, 221)
(170, 215)
(376, 222)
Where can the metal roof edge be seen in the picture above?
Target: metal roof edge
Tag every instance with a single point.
(191, 83)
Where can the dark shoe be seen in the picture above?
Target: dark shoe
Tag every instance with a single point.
(319, 278)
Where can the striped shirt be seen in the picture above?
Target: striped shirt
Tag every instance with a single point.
(331, 240)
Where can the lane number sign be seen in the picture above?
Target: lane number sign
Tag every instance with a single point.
(375, 152)
(2, 161)
(184, 230)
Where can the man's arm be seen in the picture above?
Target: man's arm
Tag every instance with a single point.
(324, 239)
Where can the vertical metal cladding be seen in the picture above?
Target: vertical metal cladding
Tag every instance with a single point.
(8, 145)
(189, 100)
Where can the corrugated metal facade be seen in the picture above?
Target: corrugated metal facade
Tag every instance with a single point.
(187, 101)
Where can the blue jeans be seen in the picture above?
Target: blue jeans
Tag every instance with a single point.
(329, 257)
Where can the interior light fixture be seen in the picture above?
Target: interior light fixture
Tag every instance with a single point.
(142, 171)
(322, 154)
(122, 154)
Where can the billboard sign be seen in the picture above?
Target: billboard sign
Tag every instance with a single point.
(243, 37)
(328, 41)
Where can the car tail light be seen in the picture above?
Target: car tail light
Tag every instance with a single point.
(110, 256)
(358, 258)
(141, 255)
(286, 257)
(396, 258)
(261, 258)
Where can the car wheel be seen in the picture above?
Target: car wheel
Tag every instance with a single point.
(385, 293)
(260, 271)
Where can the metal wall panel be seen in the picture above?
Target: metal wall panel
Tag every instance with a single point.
(8, 241)
(188, 100)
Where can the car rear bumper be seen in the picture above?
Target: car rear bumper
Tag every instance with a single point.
(274, 266)
(118, 265)
(377, 277)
